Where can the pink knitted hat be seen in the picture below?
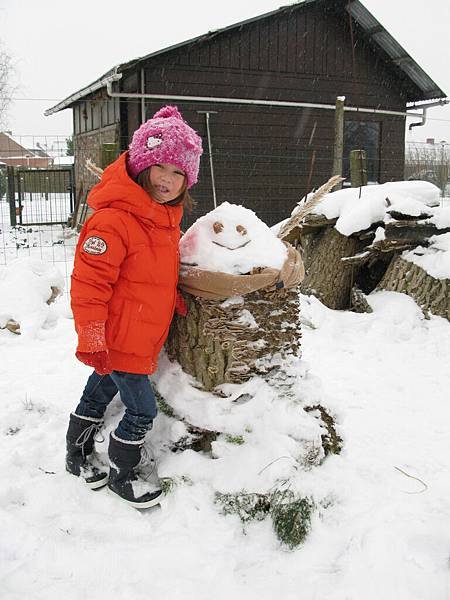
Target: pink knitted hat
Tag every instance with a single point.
(166, 138)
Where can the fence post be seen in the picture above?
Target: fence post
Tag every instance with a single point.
(338, 152)
(11, 195)
(358, 168)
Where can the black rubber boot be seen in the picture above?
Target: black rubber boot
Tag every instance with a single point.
(133, 475)
(81, 458)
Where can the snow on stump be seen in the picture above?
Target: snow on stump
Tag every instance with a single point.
(423, 274)
(240, 283)
(353, 244)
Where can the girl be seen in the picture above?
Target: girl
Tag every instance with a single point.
(123, 297)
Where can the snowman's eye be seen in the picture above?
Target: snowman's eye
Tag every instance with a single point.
(241, 229)
(218, 227)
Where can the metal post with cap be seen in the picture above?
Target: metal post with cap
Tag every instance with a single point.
(211, 164)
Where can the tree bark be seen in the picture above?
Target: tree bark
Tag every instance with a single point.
(431, 294)
(327, 276)
(231, 341)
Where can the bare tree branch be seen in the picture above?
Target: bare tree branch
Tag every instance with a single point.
(6, 88)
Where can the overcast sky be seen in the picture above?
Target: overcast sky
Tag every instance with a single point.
(60, 46)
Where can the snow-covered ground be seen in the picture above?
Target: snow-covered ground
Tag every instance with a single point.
(381, 532)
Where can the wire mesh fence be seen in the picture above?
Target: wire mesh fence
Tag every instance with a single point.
(45, 192)
(48, 243)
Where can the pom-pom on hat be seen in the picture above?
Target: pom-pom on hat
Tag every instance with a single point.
(166, 138)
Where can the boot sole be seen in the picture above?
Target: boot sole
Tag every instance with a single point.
(95, 485)
(92, 485)
(147, 504)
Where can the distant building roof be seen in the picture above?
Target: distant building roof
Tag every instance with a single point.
(39, 152)
(63, 160)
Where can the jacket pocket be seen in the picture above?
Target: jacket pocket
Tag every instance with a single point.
(133, 331)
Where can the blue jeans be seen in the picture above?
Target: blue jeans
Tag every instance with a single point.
(135, 392)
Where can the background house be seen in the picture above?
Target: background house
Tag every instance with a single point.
(14, 154)
(261, 93)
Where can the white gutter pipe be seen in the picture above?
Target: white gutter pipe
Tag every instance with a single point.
(211, 99)
(424, 107)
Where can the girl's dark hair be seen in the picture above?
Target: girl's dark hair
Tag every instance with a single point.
(143, 179)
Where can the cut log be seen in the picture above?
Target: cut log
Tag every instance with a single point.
(412, 231)
(327, 277)
(431, 294)
(318, 221)
(231, 341)
(401, 216)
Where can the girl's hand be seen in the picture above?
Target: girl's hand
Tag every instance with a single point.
(99, 360)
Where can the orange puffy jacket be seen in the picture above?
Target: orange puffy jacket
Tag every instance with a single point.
(126, 272)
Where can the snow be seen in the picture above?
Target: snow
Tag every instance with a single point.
(231, 239)
(441, 217)
(25, 286)
(357, 208)
(381, 525)
(63, 160)
(435, 259)
(379, 235)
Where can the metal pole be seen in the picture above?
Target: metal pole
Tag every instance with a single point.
(143, 98)
(11, 194)
(211, 164)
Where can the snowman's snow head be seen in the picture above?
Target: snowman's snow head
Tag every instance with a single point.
(231, 239)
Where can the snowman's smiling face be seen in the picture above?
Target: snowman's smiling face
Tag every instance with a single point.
(231, 237)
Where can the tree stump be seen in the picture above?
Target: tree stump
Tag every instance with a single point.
(431, 294)
(327, 276)
(230, 341)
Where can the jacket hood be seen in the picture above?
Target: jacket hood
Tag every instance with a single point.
(116, 189)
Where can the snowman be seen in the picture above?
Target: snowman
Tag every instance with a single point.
(231, 239)
(240, 284)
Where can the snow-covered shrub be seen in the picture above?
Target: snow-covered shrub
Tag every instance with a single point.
(290, 513)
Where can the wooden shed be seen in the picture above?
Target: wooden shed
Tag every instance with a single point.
(262, 93)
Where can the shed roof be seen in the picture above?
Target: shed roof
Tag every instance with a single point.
(376, 33)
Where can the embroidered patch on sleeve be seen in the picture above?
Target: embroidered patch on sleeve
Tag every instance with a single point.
(95, 245)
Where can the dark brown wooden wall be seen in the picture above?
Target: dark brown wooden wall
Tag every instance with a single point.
(263, 155)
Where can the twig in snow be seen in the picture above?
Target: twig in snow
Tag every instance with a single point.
(425, 487)
(274, 461)
(46, 472)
